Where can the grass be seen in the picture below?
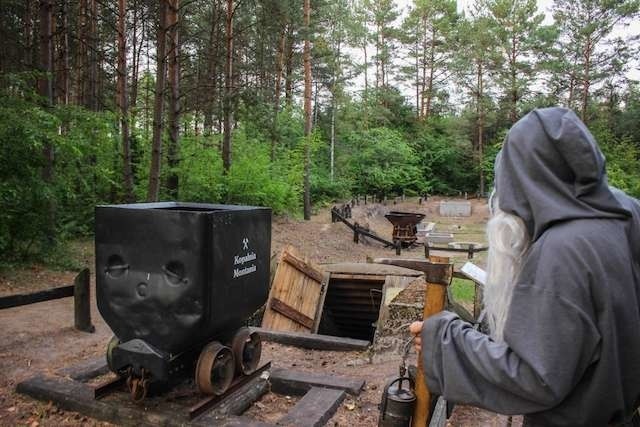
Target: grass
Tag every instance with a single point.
(463, 290)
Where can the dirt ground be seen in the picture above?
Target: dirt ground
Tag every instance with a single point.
(40, 338)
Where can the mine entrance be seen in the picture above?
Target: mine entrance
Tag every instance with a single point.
(352, 306)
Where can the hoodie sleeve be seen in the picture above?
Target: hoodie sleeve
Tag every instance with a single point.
(551, 342)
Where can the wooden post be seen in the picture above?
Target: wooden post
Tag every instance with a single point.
(438, 277)
(398, 245)
(82, 302)
(477, 300)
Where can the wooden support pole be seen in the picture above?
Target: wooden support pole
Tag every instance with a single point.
(82, 302)
(438, 277)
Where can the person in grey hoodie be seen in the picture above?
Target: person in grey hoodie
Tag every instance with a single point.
(563, 289)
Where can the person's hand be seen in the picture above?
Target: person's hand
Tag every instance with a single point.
(416, 328)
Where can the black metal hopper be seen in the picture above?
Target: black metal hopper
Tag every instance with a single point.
(404, 226)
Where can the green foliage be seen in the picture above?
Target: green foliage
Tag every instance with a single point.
(385, 163)
(83, 144)
(623, 157)
(446, 158)
(254, 180)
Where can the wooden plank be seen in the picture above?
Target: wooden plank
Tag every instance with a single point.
(369, 269)
(75, 396)
(352, 277)
(356, 286)
(314, 409)
(286, 381)
(297, 290)
(291, 313)
(313, 341)
(302, 266)
(238, 401)
(35, 297)
(324, 287)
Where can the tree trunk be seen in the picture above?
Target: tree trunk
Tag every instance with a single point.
(288, 83)
(307, 109)
(333, 131)
(211, 87)
(82, 60)
(513, 112)
(228, 83)
(158, 107)
(63, 82)
(92, 95)
(135, 56)
(28, 35)
(173, 148)
(480, 113)
(432, 60)
(45, 89)
(366, 86)
(276, 97)
(123, 102)
(586, 80)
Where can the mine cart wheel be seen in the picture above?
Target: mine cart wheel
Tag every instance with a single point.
(215, 368)
(247, 349)
(113, 343)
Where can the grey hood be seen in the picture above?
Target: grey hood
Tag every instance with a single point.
(550, 169)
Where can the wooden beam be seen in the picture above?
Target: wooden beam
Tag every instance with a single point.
(286, 381)
(439, 274)
(312, 341)
(76, 396)
(46, 295)
(237, 402)
(314, 409)
(302, 266)
(358, 277)
(291, 313)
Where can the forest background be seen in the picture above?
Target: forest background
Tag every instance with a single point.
(288, 104)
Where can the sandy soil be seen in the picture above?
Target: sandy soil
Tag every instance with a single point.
(40, 338)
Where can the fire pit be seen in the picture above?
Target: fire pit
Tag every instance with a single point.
(404, 226)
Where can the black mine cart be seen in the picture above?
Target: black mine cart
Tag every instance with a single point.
(175, 282)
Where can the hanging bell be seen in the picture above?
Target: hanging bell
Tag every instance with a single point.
(398, 403)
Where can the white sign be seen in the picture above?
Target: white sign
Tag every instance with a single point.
(239, 261)
(474, 273)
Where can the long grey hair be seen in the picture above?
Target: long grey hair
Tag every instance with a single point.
(508, 242)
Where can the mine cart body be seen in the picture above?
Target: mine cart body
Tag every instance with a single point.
(172, 276)
(404, 226)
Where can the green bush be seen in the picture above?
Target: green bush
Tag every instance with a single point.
(35, 214)
(382, 162)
